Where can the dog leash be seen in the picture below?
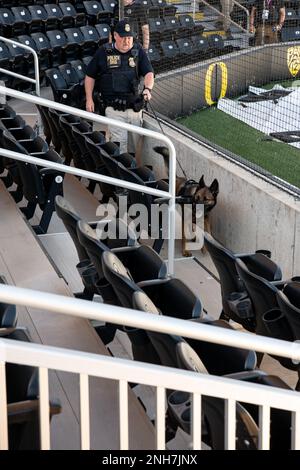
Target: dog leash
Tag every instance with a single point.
(162, 131)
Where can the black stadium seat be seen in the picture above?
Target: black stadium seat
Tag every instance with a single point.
(94, 11)
(74, 42)
(42, 46)
(103, 31)
(55, 15)
(70, 16)
(5, 58)
(90, 39)
(39, 15)
(7, 22)
(79, 68)
(23, 20)
(216, 43)
(58, 42)
(290, 34)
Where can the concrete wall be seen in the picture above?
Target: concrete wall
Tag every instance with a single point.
(251, 214)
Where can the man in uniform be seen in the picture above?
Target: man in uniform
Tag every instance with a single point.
(135, 15)
(119, 67)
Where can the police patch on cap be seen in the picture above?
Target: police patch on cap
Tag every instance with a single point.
(127, 28)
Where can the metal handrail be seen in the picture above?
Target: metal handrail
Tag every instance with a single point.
(231, 21)
(128, 317)
(36, 80)
(106, 179)
(161, 377)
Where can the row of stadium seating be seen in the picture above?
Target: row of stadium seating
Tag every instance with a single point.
(53, 48)
(32, 18)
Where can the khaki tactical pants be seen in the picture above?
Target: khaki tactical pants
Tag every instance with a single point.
(128, 141)
(270, 37)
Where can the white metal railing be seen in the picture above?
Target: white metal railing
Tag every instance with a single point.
(125, 371)
(222, 14)
(36, 80)
(102, 178)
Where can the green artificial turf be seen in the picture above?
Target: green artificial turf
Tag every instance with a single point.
(280, 159)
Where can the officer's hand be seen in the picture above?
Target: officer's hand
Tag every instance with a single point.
(90, 106)
(147, 94)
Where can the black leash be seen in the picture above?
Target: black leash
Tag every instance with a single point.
(162, 131)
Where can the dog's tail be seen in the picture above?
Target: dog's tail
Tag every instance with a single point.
(164, 151)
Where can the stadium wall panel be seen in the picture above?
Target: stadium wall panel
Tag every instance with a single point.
(182, 91)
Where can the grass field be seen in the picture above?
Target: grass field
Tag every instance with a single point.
(278, 158)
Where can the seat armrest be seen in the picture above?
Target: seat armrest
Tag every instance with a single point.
(151, 283)
(50, 171)
(24, 411)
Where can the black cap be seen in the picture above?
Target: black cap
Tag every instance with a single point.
(123, 28)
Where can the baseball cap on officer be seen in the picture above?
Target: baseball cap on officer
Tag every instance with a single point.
(123, 29)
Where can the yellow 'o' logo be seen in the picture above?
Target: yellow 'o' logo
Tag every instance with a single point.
(208, 80)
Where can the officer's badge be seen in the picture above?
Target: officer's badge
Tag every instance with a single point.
(131, 62)
(127, 28)
(293, 60)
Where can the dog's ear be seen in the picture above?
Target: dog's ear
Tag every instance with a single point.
(214, 187)
(201, 182)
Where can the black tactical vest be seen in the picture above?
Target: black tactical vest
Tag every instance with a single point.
(121, 77)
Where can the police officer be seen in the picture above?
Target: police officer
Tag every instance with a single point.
(119, 67)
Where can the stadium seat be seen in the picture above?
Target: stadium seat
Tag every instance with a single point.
(235, 301)
(74, 42)
(7, 22)
(58, 43)
(23, 402)
(186, 48)
(70, 16)
(55, 16)
(171, 26)
(23, 21)
(216, 43)
(79, 68)
(65, 149)
(170, 53)
(90, 40)
(155, 57)
(28, 56)
(61, 91)
(5, 58)
(186, 26)
(167, 9)
(290, 34)
(156, 27)
(39, 16)
(18, 65)
(201, 47)
(39, 185)
(104, 32)
(108, 9)
(260, 288)
(94, 12)
(42, 46)
(289, 302)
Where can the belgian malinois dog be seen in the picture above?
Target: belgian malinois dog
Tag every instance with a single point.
(194, 193)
